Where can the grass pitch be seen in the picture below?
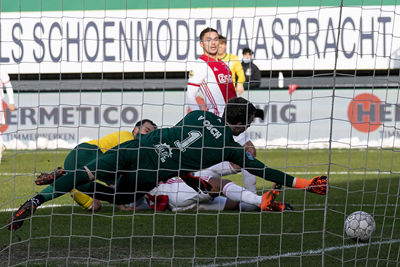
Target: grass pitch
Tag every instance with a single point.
(61, 233)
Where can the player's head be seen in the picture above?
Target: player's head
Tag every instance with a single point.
(239, 113)
(247, 54)
(222, 45)
(209, 41)
(144, 127)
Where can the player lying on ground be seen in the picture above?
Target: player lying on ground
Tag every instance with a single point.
(176, 195)
(83, 154)
(200, 140)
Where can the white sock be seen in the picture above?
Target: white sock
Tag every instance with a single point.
(240, 194)
(222, 169)
(250, 181)
(243, 206)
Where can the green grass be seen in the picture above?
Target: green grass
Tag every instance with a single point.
(360, 180)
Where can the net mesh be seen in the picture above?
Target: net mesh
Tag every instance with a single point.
(329, 90)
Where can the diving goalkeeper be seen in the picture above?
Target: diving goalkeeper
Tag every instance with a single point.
(200, 140)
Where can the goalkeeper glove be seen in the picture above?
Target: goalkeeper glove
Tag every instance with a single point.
(318, 185)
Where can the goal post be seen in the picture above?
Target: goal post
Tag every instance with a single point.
(330, 95)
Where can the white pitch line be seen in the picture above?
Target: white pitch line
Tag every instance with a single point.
(294, 173)
(303, 253)
(294, 205)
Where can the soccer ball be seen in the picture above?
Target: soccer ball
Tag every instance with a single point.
(359, 225)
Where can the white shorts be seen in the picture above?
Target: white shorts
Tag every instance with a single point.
(180, 195)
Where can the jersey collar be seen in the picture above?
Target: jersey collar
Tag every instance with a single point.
(208, 59)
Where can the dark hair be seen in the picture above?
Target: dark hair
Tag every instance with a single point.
(222, 39)
(247, 51)
(206, 30)
(238, 110)
(140, 123)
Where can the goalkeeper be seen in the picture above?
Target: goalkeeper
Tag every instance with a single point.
(83, 154)
(199, 141)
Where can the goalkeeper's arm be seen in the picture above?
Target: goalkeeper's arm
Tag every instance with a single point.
(241, 157)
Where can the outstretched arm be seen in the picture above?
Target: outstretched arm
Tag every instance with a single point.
(239, 156)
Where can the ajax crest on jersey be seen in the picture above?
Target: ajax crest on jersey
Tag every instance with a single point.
(359, 225)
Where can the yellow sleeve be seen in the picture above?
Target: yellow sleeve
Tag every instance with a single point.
(238, 69)
(111, 140)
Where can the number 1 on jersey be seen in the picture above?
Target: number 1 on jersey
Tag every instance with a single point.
(193, 137)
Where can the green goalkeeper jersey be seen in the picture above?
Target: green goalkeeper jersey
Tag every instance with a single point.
(199, 141)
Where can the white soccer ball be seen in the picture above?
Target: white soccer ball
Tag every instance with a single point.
(359, 225)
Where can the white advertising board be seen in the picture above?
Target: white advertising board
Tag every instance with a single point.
(134, 40)
(305, 119)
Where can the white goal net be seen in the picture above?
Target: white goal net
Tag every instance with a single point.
(329, 90)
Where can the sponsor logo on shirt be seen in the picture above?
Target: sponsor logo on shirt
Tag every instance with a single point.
(164, 151)
(214, 131)
(224, 78)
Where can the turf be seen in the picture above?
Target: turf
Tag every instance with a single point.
(360, 179)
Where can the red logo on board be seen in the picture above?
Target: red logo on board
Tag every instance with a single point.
(363, 112)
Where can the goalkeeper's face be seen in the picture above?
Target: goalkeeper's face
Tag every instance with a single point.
(210, 44)
(144, 129)
(241, 127)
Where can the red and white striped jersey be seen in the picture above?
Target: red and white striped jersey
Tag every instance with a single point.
(214, 79)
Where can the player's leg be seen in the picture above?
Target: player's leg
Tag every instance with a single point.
(219, 203)
(239, 194)
(222, 203)
(227, 168)
(103, 166)
(181, 196)
(234, 192)
(81, 155)
(61, 186)
(76, 158)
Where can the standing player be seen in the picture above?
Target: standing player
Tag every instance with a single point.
(213, 78)
(234, 64)
(200, 140)
(5, 82)
(84, 153)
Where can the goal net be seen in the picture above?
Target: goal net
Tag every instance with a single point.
(329, 89)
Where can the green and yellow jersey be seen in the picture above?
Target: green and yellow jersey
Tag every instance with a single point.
(112, 140)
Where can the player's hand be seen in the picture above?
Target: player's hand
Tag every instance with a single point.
(11, 107)
(196, 182)
(318, 185)
(239, 88)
